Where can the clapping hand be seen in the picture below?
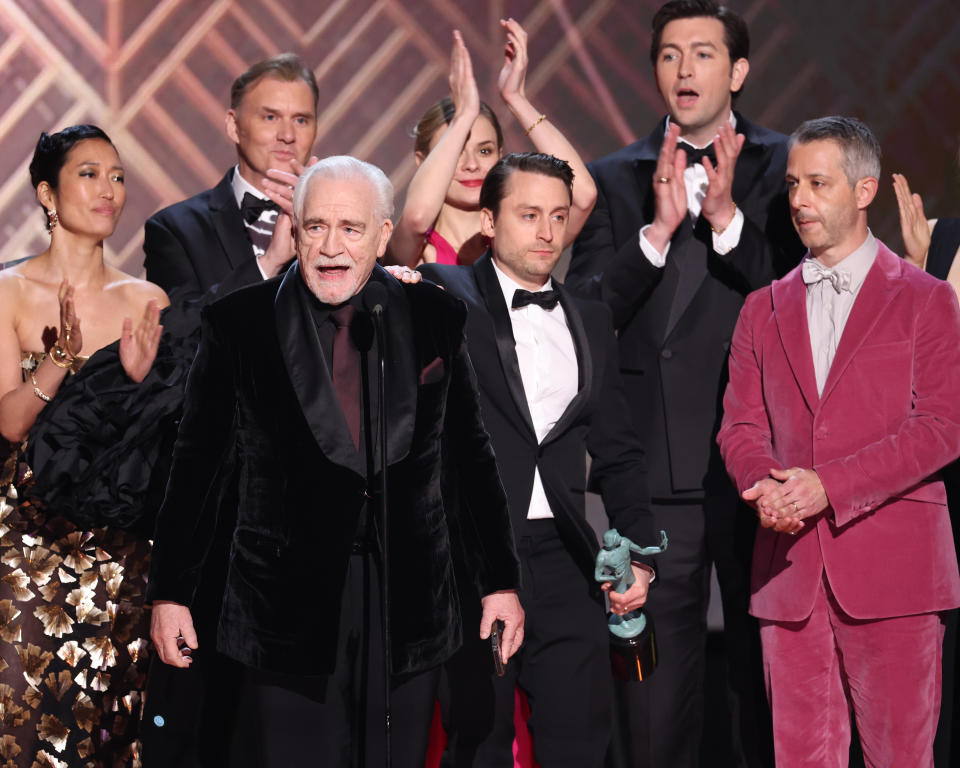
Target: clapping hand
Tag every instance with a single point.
(138, 347)
(718, 207)
(513, 74)
(913, 222)
(463, 85)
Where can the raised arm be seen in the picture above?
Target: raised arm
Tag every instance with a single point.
(428, 188)
(22, 400)
(546, 137)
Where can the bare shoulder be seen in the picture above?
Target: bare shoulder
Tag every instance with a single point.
(133, 291)
(12, 287)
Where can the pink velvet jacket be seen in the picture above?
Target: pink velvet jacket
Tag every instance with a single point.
(888, 420)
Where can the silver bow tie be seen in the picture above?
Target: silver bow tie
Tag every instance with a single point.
(814, 272)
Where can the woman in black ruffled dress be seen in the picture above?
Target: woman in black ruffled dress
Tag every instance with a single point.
(73, 628)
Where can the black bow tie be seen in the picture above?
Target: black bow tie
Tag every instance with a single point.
(545, 299)
(696, 155)
(252, 206)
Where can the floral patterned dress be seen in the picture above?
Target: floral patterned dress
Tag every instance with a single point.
(73, 632)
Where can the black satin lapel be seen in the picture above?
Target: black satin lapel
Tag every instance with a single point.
(309, 375)
(229, 225)
(400, 364)
(506, 345)
(584, 367)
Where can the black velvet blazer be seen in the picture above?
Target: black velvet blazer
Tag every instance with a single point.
(260, 389)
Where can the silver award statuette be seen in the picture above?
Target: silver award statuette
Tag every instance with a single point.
(633, 648)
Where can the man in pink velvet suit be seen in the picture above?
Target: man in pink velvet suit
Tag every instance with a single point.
(843, 402)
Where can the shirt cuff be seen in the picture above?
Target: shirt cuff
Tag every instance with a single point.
(655, 257)
(729, 239)
(263, 274)
(644, 566)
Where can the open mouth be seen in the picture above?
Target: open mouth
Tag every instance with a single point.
(687, 97)
(333, 272)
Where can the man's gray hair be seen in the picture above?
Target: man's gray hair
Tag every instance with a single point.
(860, 148)
(346, 167)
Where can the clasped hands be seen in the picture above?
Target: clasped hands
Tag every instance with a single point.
(783, 500)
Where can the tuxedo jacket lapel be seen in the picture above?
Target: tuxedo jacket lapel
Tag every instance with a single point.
(492, 294)
(309, 374)
(584, 367)
(878, 290)
(790, 310)
(228, 223)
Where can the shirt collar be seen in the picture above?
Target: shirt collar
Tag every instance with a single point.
(508, 285)
(241, 186)
(733, 124)
(857, 263)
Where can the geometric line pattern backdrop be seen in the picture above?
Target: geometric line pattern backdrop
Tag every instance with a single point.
(156, 77)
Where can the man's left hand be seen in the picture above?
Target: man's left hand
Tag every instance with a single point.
(404, 274)
(718, 207)
(633, 598)
(504, 605)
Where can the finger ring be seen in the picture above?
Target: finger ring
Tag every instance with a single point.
(792, 533)
(663, 180)
(796, 508)
(67, 327)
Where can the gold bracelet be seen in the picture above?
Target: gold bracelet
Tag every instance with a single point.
(36, 388)
(721, 231)
(536, 123)
(59, 357)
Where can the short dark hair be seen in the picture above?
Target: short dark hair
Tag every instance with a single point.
(283, 66)
(51, 153)
(860, 148)
(440, 113)
(735, 34)
(494, 187)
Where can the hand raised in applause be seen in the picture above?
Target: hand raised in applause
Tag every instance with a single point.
(670, 194)
(70, 339)
(913, 222)
(278, 186)
(138, 348)
(512, 78)
(463, 85)
(718, 207)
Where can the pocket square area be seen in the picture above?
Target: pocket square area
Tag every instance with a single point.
(432, 372)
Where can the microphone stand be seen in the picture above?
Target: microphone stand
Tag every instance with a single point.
(377, 315)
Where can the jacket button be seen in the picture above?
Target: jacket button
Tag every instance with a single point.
(666, 354)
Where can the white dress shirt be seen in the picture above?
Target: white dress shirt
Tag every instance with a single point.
(240, 187)
(695, 182)
(548, 367)
(829, 309)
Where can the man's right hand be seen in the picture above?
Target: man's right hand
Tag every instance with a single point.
(169, 623)
(504, 605)
(669, 191)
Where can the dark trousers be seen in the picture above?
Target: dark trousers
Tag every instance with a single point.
(665, 713)
(337, 720)
(563, 666)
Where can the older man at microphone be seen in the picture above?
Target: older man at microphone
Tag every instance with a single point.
(285, 383)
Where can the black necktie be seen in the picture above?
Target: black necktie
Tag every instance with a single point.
(252, 206)
(696, 155)
(346, 370)
(545, 299)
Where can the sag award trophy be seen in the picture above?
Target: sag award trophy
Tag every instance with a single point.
(633, 650)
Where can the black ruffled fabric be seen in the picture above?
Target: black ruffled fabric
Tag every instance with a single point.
(100, 451)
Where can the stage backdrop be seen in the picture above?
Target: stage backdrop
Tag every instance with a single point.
(156, 76)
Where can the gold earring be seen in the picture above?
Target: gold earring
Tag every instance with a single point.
(52, 219)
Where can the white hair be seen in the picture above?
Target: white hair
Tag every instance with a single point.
(346, 167)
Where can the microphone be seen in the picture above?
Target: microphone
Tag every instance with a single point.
(374, 298)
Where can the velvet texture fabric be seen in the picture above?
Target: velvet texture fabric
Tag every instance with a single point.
(888, 420)
(888, 670)
(260, 389)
